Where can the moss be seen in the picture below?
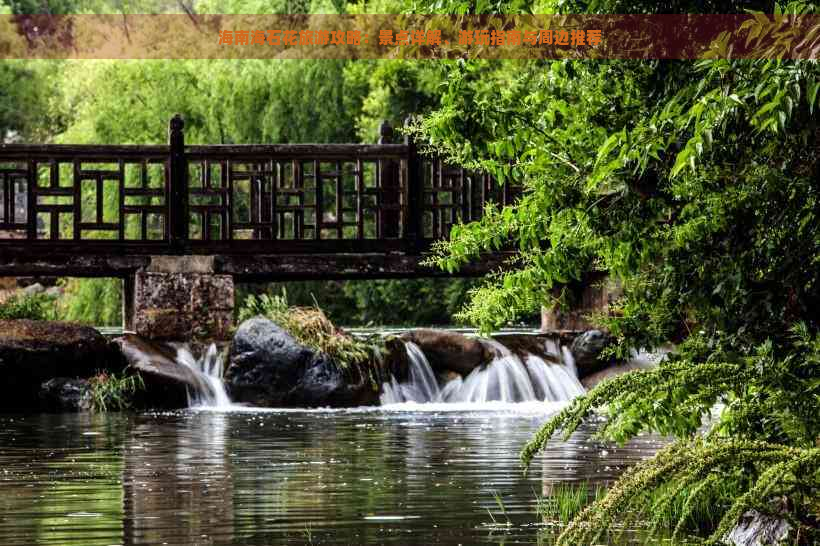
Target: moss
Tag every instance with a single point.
(32, 332)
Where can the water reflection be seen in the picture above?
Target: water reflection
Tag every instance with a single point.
(376, 477)
(177, 481)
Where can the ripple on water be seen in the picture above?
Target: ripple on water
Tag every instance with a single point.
(408, 473)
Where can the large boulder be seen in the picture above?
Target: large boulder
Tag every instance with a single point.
(449, 351)
(591, 380)
(586, 350)
(269, 368)
(32, 352)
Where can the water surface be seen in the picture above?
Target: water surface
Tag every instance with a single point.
(401, 475)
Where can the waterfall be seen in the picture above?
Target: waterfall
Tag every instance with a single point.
(551, 382)
(504, 379)
(422, 385)
(210, 389)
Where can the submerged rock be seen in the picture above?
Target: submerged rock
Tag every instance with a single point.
(269, 367)
(449, 351)
(32, 352)
(586, 350)
(63, 394)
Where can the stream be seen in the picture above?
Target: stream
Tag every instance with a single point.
(398, 474)
(435, 463)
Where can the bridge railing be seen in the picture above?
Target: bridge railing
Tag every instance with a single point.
(175, 199)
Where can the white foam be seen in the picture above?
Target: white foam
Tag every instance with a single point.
(506, 379)
(210, 391)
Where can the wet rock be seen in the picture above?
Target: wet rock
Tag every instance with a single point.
(268, 367)
(640, 360)
(33, 289)
(396, 360)
(166, 381)
(586, 350)
(546, 346)
(593, 379)
(32, 352)
(64, 394)
(756, 529)
(449, 350)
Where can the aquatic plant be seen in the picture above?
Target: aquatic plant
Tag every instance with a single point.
(712, 475)
(567, 500)
(499, 501)
(33, 307)
(114, 392)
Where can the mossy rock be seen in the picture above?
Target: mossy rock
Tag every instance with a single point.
(32, 352)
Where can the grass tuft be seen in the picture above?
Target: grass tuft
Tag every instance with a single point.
(112, 392)
(567, 501)
(310, 326)
(32, 307)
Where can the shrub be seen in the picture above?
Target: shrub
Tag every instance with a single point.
(33, 307)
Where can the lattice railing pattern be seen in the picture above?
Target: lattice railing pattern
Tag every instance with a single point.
(454, 195)
(14, 199)
(88, 196)
(261, 198)
(246, 198)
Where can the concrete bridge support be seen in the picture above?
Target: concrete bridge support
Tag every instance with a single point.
(594, 297)
(179, 298)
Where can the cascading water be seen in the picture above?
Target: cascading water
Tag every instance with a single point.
(505, 379)
(422, 385)
(210, 389)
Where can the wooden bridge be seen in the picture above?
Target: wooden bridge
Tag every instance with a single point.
(180, 223)
(264, 212)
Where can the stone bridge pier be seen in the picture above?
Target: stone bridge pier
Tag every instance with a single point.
(179, 298)
(595, 296)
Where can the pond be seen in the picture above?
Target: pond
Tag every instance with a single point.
(402, 474)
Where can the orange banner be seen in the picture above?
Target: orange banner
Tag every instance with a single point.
(409, 36)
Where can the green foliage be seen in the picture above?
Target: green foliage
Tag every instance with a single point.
(695, 185)
(97, 302)
(29, 7)
(26, 108)
(33, 307)
(113, 392)
(406, 302)
(687, 475)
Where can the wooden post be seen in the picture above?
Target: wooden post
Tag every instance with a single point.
(413, 223)
(390, 190)
(385, 132)
(128, 303)
(178, 194)
(31, 200)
